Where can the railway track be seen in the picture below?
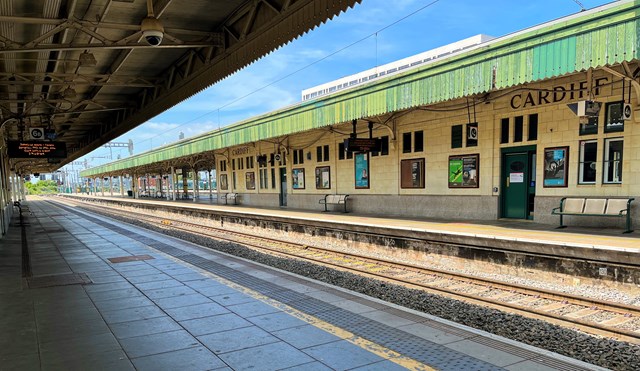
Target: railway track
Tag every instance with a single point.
(593, 316)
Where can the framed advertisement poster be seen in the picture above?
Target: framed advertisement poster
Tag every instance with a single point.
(224, 185)
(297, 178)
(361, 161)
(464, 171)
(412, 173)
(555, 169)
(250, 180)
(323, 177)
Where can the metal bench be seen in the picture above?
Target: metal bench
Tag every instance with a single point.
(584, 206)
(334, 200)
(230, 197)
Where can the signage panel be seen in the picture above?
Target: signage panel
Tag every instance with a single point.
(363, 144)
(36, 149)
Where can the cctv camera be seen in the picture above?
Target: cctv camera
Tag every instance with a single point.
(153, 38)
(152, 31)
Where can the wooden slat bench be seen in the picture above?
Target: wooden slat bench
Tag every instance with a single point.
(334, 200)
(230, 197)
(585, 206)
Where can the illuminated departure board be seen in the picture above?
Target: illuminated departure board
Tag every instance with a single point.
(36, 149)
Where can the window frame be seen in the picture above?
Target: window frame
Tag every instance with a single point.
(582, 162)
(606, 161)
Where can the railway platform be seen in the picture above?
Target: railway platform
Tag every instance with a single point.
(101, 294)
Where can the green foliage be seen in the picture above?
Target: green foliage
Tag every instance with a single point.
(42, 187)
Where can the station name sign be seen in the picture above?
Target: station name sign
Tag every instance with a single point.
(36, 149)
(363, 144)
(557, 94)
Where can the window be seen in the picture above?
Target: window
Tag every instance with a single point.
(587, 170)
(418, 141)
(406, 143)
(298, 157)
(322, 153)
(613, 118)
(233, 164)
(472, 134)
(456, 136)
(533, 127)
(591, 127)
(613, 160)
(518, 128)
(384, 146)
(240, 164)
(341, 151)
(504, 130)
(264, 181)
(249, 162)
(234, 181)
(223, 165)
(273, 178)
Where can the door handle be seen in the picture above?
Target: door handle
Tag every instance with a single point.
(508, 181)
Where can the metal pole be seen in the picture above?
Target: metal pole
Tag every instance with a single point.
(210, 189)
(160, 184)
(173, 182)
(196, 185)
(121, 179)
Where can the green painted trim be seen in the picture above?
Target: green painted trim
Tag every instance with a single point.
(601, 37)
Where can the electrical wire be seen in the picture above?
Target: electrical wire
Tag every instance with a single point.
(373, 34)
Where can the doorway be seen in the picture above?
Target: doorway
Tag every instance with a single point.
(518, 179)
(283, 186)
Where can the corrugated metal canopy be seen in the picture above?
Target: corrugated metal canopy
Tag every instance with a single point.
(604, 36)
(85, 68)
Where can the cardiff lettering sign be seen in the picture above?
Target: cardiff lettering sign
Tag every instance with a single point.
(36, 149)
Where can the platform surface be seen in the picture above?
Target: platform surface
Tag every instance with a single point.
(106, 295)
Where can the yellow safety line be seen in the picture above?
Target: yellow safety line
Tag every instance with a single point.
(370, 346)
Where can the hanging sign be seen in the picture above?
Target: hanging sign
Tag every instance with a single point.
(36, 149)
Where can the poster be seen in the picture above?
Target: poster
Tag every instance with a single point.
(250, 180)
(412, 173)
(464, 171)
(555, 171)
(297, 178)
(323, 177)
(361, 161)
(223, 182)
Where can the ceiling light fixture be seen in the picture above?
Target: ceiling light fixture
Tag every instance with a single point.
(87, 59)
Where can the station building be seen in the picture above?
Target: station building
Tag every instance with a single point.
(504, 128)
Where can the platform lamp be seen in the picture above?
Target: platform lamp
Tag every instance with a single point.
(87, 59)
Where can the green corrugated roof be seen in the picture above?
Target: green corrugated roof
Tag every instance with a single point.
(604, 36)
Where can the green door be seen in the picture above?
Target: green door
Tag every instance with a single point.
(515, 185)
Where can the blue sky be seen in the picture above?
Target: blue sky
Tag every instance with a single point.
(269, 84)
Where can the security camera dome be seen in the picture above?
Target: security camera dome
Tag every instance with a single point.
(152, 31)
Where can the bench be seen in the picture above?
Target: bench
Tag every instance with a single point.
(228, 197)
(583, 206)
(334, 200)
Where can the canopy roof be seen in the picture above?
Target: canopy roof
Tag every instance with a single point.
(85, 71)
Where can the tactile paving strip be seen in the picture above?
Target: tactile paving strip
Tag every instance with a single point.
(407, 344)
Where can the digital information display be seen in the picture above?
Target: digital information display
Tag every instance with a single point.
(36, 149)
(363, 144)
